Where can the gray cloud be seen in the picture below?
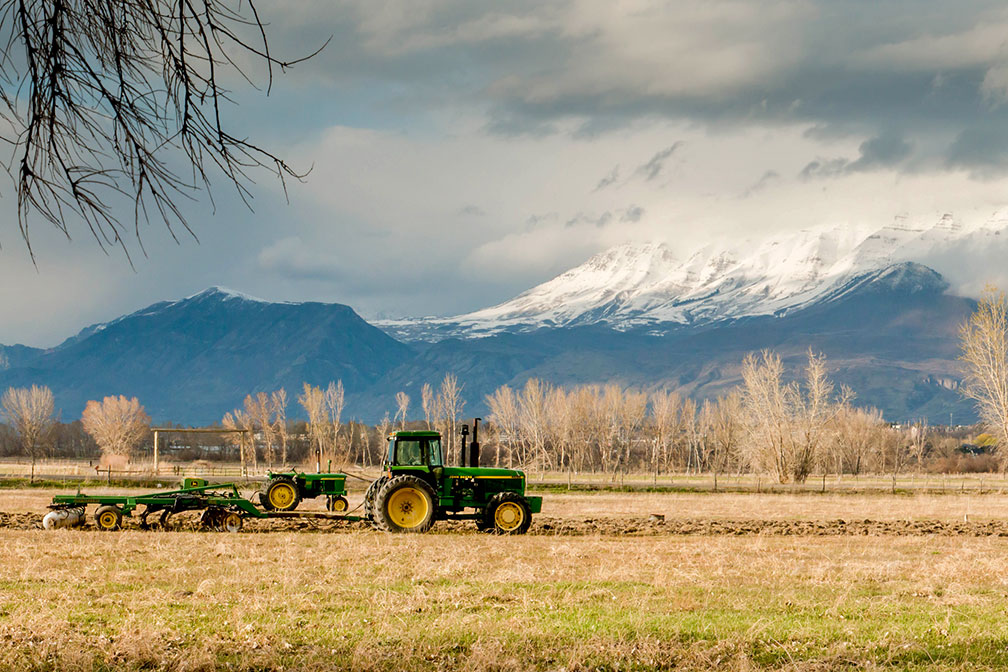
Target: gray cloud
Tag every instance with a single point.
(981, 149)
(574, 66)
(656, 163)
(632, 214)
(762, 183)
(608, 180)
(883, 151)
(472, 211)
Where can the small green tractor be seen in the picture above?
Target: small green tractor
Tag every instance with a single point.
(417, 488)
(285, 490)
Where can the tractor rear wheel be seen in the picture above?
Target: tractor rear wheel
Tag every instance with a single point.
(507, 513)
(369, 499)
(405, 504)
(108, 518)
(283, 494)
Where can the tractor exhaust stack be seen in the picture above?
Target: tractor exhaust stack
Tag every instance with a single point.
(474, 444)
(462, 448)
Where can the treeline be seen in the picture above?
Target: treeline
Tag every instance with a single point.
(766, 425)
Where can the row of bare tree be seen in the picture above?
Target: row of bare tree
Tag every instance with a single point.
(767, 425)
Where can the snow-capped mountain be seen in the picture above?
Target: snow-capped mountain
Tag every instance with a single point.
(648, 286)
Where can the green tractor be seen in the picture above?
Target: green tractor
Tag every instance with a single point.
(285, 490)
(417, 488)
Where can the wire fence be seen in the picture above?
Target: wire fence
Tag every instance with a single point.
(982, 483)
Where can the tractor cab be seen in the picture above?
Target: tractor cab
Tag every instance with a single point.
(417, 487)
(414, 449)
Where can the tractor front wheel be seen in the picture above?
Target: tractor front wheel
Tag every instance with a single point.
(338, 504)
(405, 504)
(108, 518)
(283, 494)
(507, 513)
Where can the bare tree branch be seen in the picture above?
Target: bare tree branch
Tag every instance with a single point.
(99, 100)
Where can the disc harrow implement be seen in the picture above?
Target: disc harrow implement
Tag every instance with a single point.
(222, 507)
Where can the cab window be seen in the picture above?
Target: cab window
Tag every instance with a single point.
(409, 453)
(434, 450)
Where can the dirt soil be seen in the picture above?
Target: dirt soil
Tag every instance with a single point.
(624, 526)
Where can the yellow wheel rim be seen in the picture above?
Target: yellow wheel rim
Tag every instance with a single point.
(107, 520)
(408, 508)
(282, 495)
(509, 516)
(339, 504)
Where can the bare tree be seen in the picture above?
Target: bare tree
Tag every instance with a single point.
(241, 423)
(855, 434)
(117, 424)
(984, 355)
(633, 412)
(279, 400)
(260, 411)
(402, 406)
(504, 414)
(533, 420)
(313, 400)
(100, 98)
(31, 413)
(427, 400)
(450, 405)
(788, 425)
(335, 400)
(724, 424)
(383, 433)
(917, 440)
(665, 415)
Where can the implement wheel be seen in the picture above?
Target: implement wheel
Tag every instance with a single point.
(283, 494)
(231, 522)
(507, 513)
(337, 504)
(405, 504)
(108, 518)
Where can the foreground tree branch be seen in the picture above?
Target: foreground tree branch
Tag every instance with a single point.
(105, 103)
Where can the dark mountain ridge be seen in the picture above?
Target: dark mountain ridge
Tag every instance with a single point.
(891, 334)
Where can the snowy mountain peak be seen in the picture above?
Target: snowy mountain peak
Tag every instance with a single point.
(647, 285)
(223, 293)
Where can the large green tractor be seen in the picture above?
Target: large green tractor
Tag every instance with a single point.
(417, 488)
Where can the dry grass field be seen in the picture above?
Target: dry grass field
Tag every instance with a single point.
(456, 599)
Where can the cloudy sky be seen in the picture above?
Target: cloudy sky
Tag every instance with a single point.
(462, 152)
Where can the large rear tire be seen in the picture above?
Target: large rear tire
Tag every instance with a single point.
(369, 499)
(283, 494)
(405, 504)
(507, 513)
